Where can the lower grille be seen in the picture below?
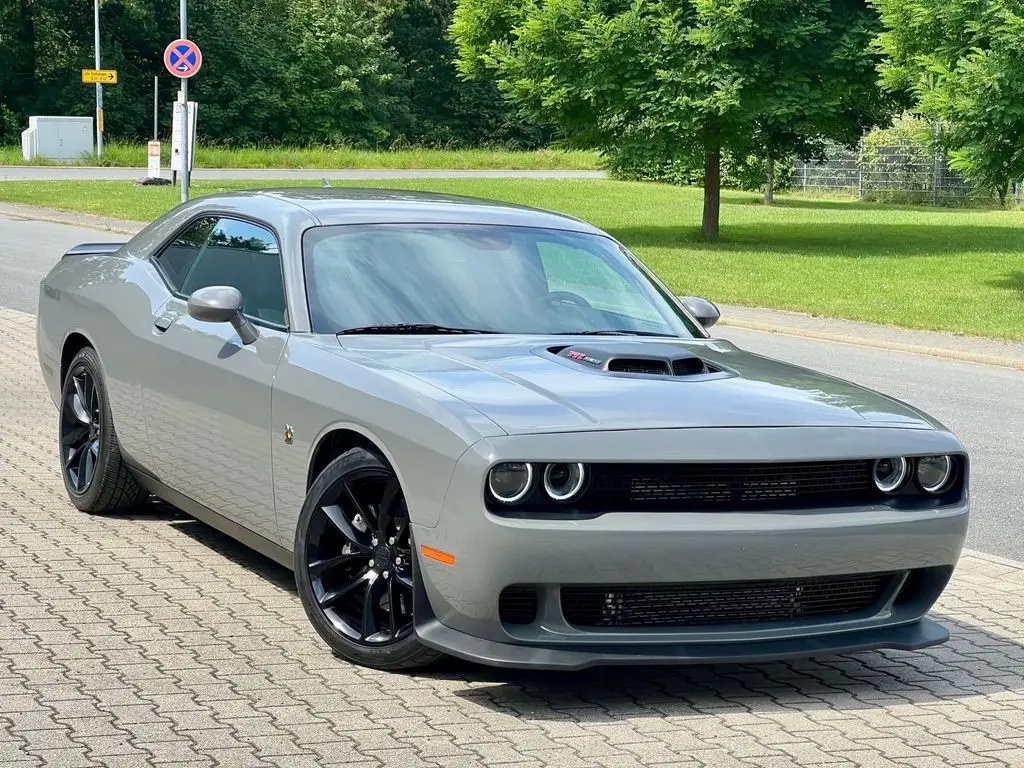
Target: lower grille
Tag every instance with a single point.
(518, 604)
(726, 602)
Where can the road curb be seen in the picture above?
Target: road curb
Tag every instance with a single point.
(70, 218)
(894, 346)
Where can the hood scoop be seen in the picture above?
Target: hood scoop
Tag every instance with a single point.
(636, 359)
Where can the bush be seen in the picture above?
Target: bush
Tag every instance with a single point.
(747, 173)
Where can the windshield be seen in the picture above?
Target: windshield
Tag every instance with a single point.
(499, 279)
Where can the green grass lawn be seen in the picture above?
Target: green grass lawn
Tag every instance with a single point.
(952, 270)
(134, 155)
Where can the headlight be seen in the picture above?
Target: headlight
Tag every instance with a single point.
(563, 482)
(510, 482)
(934, 473)
(890, 473)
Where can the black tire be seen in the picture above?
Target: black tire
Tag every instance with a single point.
(354, 516)
(96, 478)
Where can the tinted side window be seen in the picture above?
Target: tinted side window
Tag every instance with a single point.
(244, 256)
(177, 258)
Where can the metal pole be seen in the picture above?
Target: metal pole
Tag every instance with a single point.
(156, 106)
(183, 5)
(99, 88)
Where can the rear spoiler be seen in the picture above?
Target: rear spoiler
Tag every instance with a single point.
(93, 249)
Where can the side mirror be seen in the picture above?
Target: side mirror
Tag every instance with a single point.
(222, 304)
(704, 311)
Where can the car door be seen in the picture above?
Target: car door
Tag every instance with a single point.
(208, 395)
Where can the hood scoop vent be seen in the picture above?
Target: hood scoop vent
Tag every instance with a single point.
(635, 358)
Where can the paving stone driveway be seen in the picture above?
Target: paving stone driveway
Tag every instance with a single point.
(152, 639)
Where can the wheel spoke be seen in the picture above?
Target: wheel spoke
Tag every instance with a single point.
(389, 500)
(76, 436)
(80, 402)
(319, 567)
(330, 598)
(404, 581)
(80, 468)
(92, 456)
(373, 593)
(337, 517)
(392, 608)
(94, 397)
(74, 457)
(359, 507)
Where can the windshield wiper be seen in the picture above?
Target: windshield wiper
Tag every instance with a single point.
(617, 333)
(410, 328)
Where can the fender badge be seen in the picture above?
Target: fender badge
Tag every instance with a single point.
(289, 434)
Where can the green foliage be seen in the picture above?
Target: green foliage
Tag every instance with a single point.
(897, 163)
(677, 80)
(446, 110)
(747, 173)
(368, 73)
(962, 59)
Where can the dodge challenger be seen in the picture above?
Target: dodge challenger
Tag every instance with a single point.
(489, 431)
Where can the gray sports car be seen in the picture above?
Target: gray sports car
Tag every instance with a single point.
(490, 431)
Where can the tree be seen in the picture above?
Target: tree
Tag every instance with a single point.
(683, 79)
(962, 59)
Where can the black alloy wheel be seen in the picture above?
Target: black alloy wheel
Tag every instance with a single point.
(96, 477)
(354, 563)
(80, 430)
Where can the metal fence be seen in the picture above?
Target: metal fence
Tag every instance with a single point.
(906, 173)
(894, 172)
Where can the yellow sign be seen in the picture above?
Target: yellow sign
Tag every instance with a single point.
(104, 76)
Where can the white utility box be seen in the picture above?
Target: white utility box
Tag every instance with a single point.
(57, 138)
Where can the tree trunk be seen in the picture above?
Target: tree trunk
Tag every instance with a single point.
(769, 184)
(1001, 190)
(712, 191)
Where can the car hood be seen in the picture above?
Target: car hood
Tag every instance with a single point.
(524, 386)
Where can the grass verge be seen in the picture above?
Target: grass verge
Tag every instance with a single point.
(935, 269)
(334, 158)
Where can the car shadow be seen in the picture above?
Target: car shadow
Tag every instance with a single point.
(864, 680)
(958, 669)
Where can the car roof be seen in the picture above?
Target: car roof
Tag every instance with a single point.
(354, 205)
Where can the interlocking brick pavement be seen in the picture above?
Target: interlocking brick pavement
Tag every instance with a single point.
(151, 639)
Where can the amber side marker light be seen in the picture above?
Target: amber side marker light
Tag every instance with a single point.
(437, 554)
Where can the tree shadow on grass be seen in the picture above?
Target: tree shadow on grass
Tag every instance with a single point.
(1013, 281)
(858, 205)
(846, 240)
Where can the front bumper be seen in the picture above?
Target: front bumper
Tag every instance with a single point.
(458, 609)
(908, 637)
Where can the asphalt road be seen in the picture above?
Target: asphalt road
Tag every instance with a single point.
(81, 173)
(27, 251)
(981, 403)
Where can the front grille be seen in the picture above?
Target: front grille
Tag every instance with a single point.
(726, 602)
(518, 604)
(731, 486)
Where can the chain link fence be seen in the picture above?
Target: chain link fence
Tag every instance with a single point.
(912, 173)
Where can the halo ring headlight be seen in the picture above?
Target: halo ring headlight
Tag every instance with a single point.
(890, 473)
(510, 482)
(564, 482)
(934, 473)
